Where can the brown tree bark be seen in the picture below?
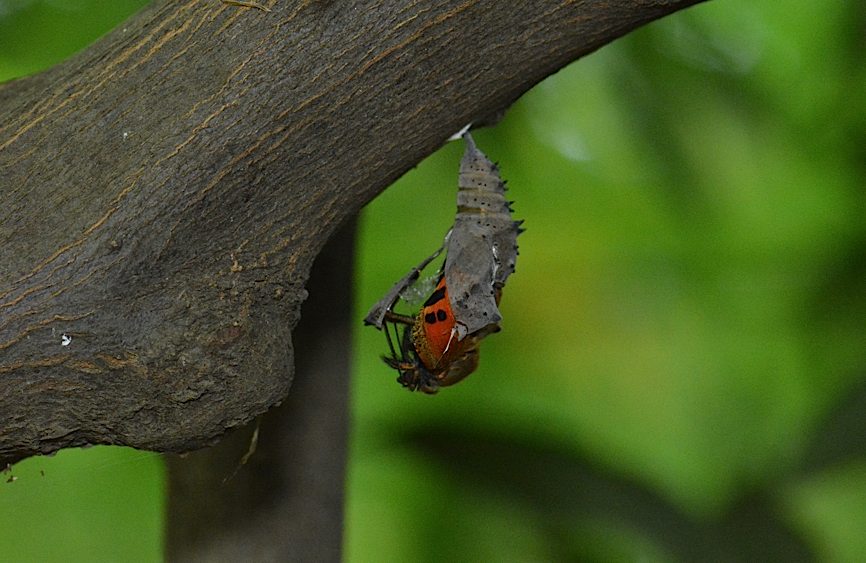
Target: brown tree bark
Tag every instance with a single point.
(164, 193)
(285, 503)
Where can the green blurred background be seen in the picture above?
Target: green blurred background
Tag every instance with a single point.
(681, 373)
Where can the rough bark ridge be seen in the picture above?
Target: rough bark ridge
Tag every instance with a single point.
(163, 193)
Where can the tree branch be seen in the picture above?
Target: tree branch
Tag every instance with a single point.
(286, 502)
(163, 193)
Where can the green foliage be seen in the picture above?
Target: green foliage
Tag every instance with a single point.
(97, 504)
(680, 373)
(685, 318)
(35, 34)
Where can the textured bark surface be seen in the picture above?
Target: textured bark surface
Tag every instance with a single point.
(286, 502)
(163, 193)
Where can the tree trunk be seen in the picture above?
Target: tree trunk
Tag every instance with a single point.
(164, 193)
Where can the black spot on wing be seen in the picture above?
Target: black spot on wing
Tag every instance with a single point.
(436, 297)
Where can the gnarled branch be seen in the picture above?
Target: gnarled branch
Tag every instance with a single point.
(163, 193)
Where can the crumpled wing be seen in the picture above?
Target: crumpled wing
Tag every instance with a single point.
(376, 315)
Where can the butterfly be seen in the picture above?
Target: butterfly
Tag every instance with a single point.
(439, 345)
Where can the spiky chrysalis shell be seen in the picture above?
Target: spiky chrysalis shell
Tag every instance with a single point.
(482, 246)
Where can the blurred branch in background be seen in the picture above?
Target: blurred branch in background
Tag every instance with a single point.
(571, 495)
